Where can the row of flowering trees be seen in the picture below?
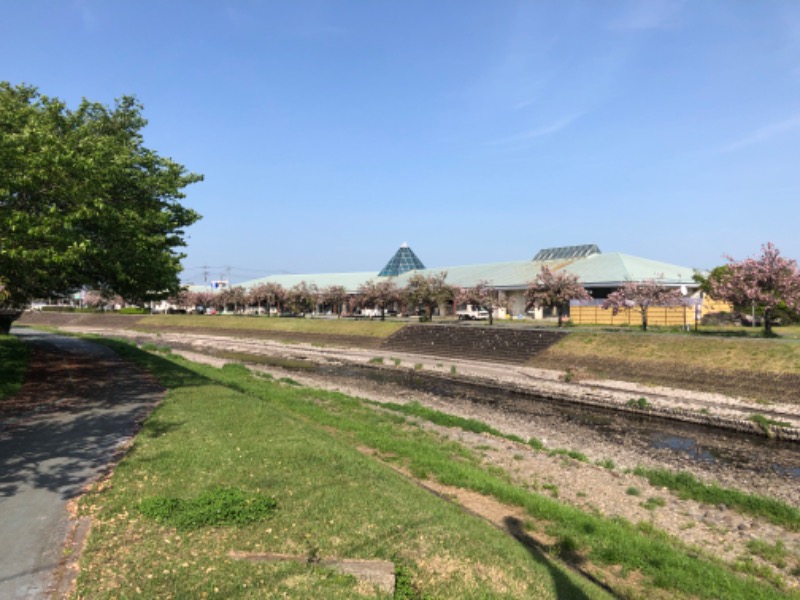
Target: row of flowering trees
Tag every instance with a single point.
(422, 293)
(771, 282)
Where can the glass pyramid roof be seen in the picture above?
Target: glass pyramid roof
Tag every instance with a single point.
(403, 260)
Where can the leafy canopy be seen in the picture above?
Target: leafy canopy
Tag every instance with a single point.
(83, 202)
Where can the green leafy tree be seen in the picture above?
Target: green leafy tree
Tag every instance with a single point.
(84, 203)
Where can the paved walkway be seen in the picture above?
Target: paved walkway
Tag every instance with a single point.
(79, 404)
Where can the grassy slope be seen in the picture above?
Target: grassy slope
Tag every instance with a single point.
(225, 426)
(379, 329)
(778, 356)
(332, 500)
(14, 357)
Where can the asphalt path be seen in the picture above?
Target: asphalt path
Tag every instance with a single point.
(88, 404)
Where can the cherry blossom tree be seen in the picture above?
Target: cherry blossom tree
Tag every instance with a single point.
(92, 299)
(204, 299)
(257, 295)
(238, 297)
(275, 296)
(643, 295)
(302, 298)
(555, 289)
(336, 296)
(182, 300)
(484, 296)
(428, 292)
(768, 282)
(380, 295)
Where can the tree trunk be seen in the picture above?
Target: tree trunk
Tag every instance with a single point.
(6, 318)
(767, 321)
(644, 320)
(491, 315)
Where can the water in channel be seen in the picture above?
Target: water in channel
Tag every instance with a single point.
(708, 447)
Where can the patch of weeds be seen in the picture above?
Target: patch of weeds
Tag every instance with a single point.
(653, 503)
(264, 375)
(439, 365)
(766, 424)
(566, 547)
(606, 464)
(289, 381)
(14, 356)
(151, 347)
(748, 566)
(579, 456)
(639, 403)
(536, 443)
(518, 457)
(274, 361)
(376, 360)
(776, 554)
(396, 362)
(581, 495)
(440, 418)
(453, 370)
(215, 507)
(568, 376)
(513, 438)
(704, 411)
(552, 488)
(688, 487)
(404, 588)
(633, 491)
(418, 366)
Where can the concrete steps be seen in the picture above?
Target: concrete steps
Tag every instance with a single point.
(495, 344)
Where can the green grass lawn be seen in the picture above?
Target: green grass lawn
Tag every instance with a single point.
(227, 428)
(299, 447)
(349, 327)
(772, 355)
(14, 357)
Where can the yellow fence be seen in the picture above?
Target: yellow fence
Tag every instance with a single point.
(669, 316)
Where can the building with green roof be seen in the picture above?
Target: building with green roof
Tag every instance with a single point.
(600, 273)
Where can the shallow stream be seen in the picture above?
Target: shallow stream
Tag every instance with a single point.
(705, 446)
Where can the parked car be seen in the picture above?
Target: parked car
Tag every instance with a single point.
(472, 314)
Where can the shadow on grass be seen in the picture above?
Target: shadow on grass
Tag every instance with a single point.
(756, 335)
(168, 374)
(564, 588)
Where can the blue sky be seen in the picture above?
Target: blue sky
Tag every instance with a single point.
(331, 132)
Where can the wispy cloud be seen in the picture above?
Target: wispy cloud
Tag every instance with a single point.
(87, 15)
(538, 132)
(651, 14)
(764, 133)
